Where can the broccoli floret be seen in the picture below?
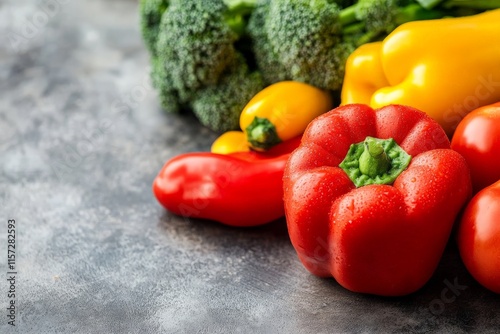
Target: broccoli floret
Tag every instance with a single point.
(266, 58)
(151, 12)
(218, 107)
(378, 15)
(306, 37)
(195, 44)
(191, 44)
(169, 99)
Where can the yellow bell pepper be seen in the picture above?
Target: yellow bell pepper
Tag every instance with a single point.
(278, 113)
(445, 67)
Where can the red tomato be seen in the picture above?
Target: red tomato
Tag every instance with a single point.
(477, 139)
(479, 237)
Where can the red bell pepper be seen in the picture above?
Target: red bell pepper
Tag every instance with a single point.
(384, 231)
(237, 189)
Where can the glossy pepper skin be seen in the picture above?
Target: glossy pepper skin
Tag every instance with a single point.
(446, 67)
(477, 139)
(230, 142)
(479, 237)
(278, 113)
(382, 239)
(238, 189)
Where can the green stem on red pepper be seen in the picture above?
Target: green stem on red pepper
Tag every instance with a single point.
(375, 161)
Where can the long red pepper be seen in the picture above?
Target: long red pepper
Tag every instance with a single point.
(238, 189)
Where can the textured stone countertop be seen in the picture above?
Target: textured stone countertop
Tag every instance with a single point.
(81, 139)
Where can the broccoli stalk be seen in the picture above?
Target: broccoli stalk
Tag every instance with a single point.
(369, 20)
(472, 4)
(237, 14)
(429, 4)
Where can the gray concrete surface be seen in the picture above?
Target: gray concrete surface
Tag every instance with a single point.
(81, 139)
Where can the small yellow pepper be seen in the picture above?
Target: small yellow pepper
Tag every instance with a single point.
(278, 113)
(230, 142)
(445, 67)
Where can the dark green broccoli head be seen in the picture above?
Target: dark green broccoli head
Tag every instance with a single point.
(378, 15)
(294, 27)
(267, 60)
(328, 70)
(151, 12)
(219, 107)
(195, 44)
(169, 99)
(306, 35)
